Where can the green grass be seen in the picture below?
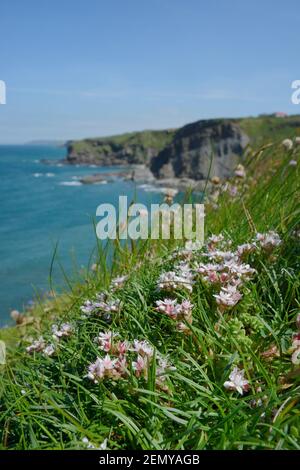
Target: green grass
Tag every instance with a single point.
(48, 403)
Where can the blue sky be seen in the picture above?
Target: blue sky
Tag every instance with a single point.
(75, 69)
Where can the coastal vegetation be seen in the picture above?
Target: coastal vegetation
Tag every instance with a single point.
(174, 345)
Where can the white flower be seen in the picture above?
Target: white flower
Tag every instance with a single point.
(102, 368)
(143, 348)
(49, 350)
(90, 445)
(88, 307)
(295, 349)
(268, 240)
(66, 329)
(103, 445)
(191, 245)
(111, 306)
(237, 381)
(171, 280)
(293, 163)
(245, 249)
(287, 144)
(118, 282)
(36, 346)
(228, 296)
(219, 255)
(241, 270)
(240, 171)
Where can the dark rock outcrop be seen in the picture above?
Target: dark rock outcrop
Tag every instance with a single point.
(196, 147)
(135, 148)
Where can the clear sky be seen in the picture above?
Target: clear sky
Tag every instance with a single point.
(82, 68)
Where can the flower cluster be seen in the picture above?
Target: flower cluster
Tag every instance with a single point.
(101, 305)
(268, 241)
(106, 368)
(191, 247)
(48, 349)
(229, 296)
(181, 278)
(123, 354)
(40, 345)
(181, 313)
(231, 189)
(225, 270)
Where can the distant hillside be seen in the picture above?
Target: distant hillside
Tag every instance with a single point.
(185, 152)
(51, 143)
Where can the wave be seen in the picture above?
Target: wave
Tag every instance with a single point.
(149, 188)
(70, 183)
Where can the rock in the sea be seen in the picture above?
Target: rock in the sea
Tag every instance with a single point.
(93, 179)
(204, 148)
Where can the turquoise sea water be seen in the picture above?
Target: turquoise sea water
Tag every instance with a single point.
(43, 204)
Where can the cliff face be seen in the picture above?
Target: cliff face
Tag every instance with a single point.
(190, 153)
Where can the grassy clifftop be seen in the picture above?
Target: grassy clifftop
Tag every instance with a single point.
(264, 129)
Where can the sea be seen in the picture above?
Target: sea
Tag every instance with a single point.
(43, 208)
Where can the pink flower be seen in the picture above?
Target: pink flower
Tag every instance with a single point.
(122, 347)
(143, 348)
(228, 296)
(102, 368)
(121, 365)
(168, 306)
(105, 340)
(140, 366)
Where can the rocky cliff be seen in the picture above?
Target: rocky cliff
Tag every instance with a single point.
(204, 147)
(186, 152)
(126, 149)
